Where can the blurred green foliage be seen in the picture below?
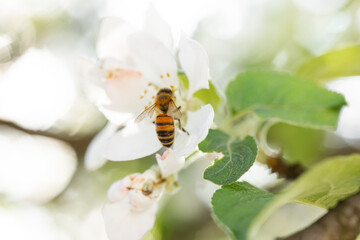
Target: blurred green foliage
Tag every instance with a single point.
(337, 63)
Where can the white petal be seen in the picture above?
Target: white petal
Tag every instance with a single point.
(153, 59)
(169, 163)
(114, 116)
(91, 225)
(157, 27)
(35, 221)
(140, 202)
(195, 63)
(35, 76)
(112, 39)
(119, 189)
(133, 142)
(204, 189)
(260, 176)
(93, 156)
(34, 168)
(127, 90)
(148, 176)
(121, 223)
(198, 124)
(349, 121)
(145, 190)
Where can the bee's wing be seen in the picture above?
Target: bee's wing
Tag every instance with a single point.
(147, 112)
(173, 110)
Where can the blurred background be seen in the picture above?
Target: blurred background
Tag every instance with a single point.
(47, 120)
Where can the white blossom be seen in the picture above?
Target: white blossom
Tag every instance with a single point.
(133, 65)
(131, 212)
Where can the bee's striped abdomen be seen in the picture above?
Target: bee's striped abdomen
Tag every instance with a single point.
(165, 129)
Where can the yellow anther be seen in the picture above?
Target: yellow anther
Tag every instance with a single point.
(168, 74)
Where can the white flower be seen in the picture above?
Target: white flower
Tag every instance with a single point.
(132, 208)
(133, 66)
(36, 75)
(133, 200)
(34, 168)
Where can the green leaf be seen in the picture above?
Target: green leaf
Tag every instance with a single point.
(326, 184)
(286, 98)
(237, 205)
(337, 63)
(243, 208)
(239, 156)
(209, 96)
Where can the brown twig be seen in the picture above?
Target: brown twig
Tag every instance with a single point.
(340, 223)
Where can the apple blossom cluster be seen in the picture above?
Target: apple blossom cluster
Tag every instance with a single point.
(133, 65)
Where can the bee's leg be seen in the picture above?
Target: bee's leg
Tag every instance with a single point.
(180, 127)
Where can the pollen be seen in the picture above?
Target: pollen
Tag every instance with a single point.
(141, 97)
(149, 84)
(111, 74)
(153, 97)
(168, 74)
(146, 107)
(145, 92)
(162, 76)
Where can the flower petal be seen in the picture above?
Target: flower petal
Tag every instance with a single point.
(139, 201)
(195, 63)
(121, 223)
(128, 91)
(169, 163)
(157, 27)
(115, 116)
(133, 142)
(112, 39)
(119, 189)
(36, 75)
(34, 168)
(198, 125)
(153, 59)
(93, 155)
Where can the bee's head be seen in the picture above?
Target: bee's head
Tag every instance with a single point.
(165, 90)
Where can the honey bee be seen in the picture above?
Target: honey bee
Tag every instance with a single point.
(167, 112)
